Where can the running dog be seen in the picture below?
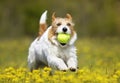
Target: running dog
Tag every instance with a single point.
(46, 50)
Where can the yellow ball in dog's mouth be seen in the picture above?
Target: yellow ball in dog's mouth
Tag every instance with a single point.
(63, 38)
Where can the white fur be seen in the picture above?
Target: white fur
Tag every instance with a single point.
(43, 18)
(42, 51)
(60, 29)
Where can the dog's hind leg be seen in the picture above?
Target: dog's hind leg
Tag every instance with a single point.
(32, 66)
(32, 59)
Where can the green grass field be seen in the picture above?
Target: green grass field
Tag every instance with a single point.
(99, 62)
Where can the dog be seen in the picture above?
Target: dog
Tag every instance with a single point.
(46, 50)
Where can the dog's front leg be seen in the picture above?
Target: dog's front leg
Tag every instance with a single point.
(57, 63)
(72, 63)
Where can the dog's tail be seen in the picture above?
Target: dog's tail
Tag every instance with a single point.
(42, 23)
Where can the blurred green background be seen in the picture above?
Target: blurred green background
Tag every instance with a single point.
(93, 18)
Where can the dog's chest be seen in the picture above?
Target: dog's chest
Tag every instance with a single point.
(63, 53)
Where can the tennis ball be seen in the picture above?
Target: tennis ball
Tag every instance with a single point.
(63, 38)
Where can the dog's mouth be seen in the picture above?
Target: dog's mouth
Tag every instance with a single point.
(63, 44)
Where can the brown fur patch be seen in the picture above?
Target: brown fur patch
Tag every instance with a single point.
(42, 29)
(72, 31)
(51, 33)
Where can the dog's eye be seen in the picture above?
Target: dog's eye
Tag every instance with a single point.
(58, 24)
(68, 24)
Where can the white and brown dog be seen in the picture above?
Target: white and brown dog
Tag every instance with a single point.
(46, 50)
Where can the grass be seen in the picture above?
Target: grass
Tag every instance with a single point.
(101, 53)
(14, 52)
(99, 62)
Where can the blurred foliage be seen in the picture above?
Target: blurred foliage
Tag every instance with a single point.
(91, 52)
(92, 17)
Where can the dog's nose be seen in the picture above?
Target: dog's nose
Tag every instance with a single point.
(64, 29)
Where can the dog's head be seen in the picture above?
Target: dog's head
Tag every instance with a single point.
(62, 25)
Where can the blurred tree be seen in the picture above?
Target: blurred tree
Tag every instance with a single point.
(92, 17)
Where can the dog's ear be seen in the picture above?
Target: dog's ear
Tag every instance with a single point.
(69, 16)
(53, 16)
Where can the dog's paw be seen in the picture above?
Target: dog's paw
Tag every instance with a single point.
(73, 69)
(63, 68)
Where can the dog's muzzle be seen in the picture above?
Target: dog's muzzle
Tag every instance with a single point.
(64, 29)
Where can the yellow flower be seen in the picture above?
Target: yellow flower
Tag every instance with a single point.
(39, 81)
(118, 72)
(115, 76)
(47, 69)
(15, 80)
